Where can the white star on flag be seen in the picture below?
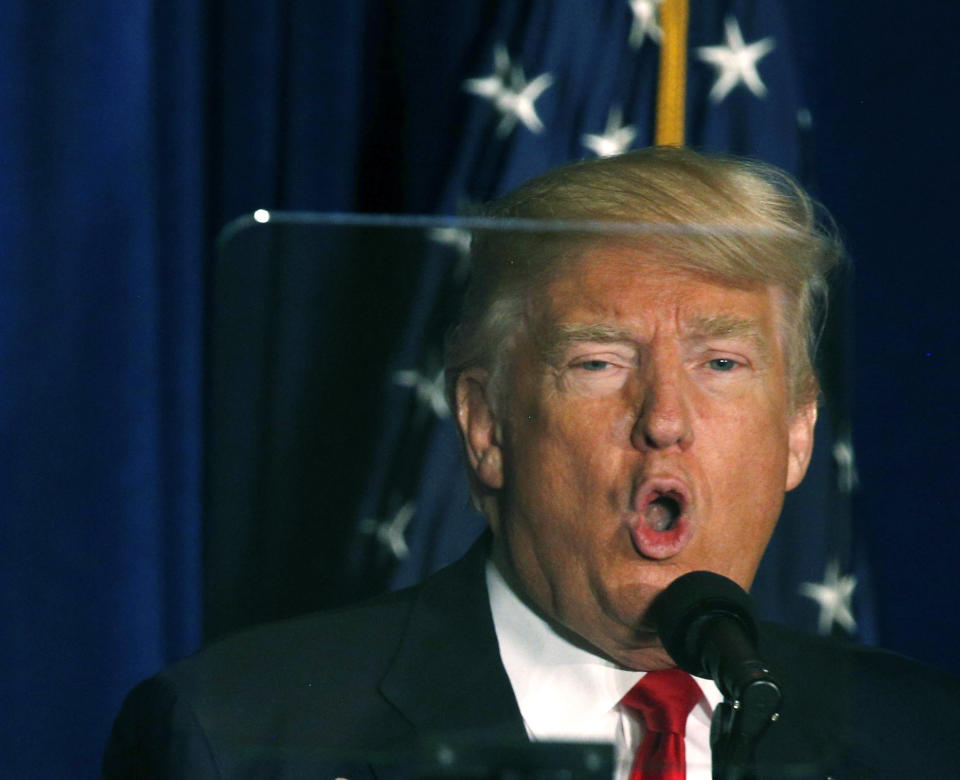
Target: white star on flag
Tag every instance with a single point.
(390, 533)
(491, 86)
(833, 595)
(736, 62)
(616, 138)
(846, 466)
(458, 240)
(645, 15)
(430, 390)
(507, 88)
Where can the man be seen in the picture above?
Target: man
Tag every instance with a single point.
(633, 402)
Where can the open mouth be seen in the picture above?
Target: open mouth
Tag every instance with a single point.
(662, 526)
(662, 513)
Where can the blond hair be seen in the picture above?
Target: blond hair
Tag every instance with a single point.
(736, 220)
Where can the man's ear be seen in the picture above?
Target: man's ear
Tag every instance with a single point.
(800, 443)
(479, 426)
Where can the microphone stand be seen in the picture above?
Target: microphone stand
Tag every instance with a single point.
(749, 707)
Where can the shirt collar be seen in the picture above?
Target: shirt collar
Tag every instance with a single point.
(559, 686)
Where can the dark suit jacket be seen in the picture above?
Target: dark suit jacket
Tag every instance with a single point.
(328, 695)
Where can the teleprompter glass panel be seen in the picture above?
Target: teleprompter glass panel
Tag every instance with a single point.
(334, 467)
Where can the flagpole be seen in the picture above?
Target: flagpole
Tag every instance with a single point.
(672, 79)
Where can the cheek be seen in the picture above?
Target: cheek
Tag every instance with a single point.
(747, 496)
(737, 537)
(565, 467)
(754, 476)
(552, 471)
(622, 424)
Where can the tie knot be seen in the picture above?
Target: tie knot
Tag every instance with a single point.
(664, 700)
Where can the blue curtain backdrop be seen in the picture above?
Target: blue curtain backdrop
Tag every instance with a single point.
(131, 132)
(102, 211)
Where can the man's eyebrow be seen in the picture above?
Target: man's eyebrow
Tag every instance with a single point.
(561, 336)
(554, 344)
(727, 326)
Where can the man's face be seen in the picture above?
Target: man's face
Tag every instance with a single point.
(646, 433)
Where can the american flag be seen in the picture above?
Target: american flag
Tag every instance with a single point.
(559, 82)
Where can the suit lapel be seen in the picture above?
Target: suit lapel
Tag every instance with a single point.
(447, 677)
(448, 681)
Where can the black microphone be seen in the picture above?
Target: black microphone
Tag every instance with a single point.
(707, 624)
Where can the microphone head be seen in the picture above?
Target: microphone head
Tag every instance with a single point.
(685, 607)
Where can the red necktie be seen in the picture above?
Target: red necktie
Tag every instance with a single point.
(664, 700)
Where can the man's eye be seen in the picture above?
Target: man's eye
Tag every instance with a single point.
(594, 365)
(722, 364)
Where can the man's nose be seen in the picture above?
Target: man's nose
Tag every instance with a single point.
(663, 418)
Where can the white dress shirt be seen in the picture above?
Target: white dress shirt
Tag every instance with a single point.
(568, 693)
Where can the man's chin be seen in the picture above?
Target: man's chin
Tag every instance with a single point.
(642, 651)
(646, 659)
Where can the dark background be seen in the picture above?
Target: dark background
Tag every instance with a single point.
(883, 89)
(131, 132)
